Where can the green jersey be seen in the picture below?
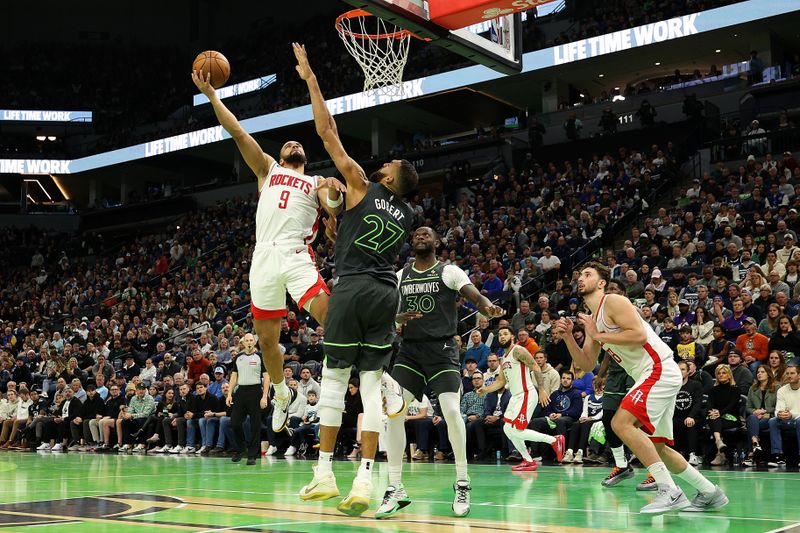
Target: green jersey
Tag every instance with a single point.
(371, 234)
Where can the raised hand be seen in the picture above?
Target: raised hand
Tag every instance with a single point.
(564, 325)
(303, 68)
(203, 83)
(331, 183)
(589, 325)
(492, 311)
(403, 318)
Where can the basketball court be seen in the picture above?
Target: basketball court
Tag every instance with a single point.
(88, 492)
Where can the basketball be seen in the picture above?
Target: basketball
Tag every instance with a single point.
(215, 63)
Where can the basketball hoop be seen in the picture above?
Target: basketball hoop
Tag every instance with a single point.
(380, 47)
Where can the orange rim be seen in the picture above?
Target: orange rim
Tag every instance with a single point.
(356, 13)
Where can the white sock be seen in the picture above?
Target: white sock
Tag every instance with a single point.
(518, 440)
(281, 389)
(325, 462)
(619, 457)
(697, 480)
(449, 403)
(535, 436)
(661, 475)
(365, 470)
(395, 440)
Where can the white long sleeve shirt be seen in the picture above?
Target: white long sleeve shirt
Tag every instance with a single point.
(789, 400)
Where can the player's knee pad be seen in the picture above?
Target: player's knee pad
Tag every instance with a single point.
(450, 404)
(370, 388)
(331, 395)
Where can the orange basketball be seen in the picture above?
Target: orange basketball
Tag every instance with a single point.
(215, 63)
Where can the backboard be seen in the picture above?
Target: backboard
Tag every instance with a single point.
(494, 42)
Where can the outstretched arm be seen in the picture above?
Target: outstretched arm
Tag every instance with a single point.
(255, 158)
(499, 383)
(481, 302)
(326, 129)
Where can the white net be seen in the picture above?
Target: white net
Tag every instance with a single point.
(381, 49)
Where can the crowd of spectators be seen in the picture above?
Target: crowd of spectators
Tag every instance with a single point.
(123, 115)
(167, 310)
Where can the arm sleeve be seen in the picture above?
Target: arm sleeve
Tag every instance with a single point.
(454, 277)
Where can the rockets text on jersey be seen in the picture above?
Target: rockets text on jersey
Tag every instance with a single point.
(288, 209)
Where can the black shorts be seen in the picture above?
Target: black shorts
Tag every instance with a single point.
(611, 402)
(359, 329)
(433, 363)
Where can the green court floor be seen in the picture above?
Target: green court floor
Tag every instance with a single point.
(95, 493)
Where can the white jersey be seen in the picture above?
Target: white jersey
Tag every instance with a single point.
(288, 209)
(636, 360)
(518, 376)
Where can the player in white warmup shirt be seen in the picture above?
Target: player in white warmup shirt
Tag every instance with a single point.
(287, 218)
(522, 377)
(644, 419)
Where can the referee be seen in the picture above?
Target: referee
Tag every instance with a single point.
(248, 397)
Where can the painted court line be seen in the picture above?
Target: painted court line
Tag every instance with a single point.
(792, 528)
(524, 506)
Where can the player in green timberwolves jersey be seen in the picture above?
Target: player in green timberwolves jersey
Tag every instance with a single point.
(359, 328)
(429, 356)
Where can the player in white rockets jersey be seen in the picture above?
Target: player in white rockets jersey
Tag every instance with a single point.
(287, 218)
(518, 375)
(644, 419)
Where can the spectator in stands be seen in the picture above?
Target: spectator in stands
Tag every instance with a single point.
(550, 265)
(787, 413)
(472, 403)
(419, 414)
(688, 408)
(477, 351)
(524, 339)
(753, 345)
(563, 410)
(353, 414)
(489, 425)
(761, 402)
(215, 388)
(591, 413)
(197, 365)
(582, 381)
(550, 377)
(740, 372)
(170, 423)
(723, 410)
(786, 339)
(688, 349)
(132, 419)
(703, 327)
(494, 369)
(776, 366)
(518, 321)
(306, 383)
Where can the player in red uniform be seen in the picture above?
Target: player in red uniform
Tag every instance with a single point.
(287, 218)
(644, 419)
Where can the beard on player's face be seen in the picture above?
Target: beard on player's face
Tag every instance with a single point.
(507, 343)
(295, 158)
(376, 176)
(424, 248)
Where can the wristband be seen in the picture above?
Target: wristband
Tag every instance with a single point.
(334, 203)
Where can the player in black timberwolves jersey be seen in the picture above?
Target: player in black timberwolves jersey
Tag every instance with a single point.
(429, 356)
(359, 328)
